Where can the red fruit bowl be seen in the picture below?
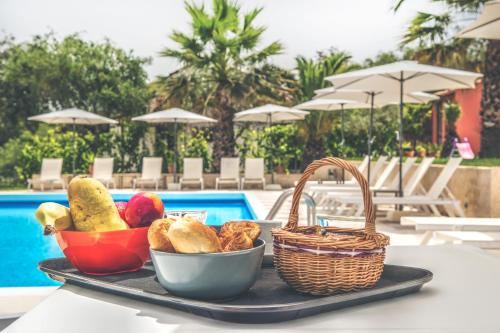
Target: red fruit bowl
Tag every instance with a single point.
(103, 253)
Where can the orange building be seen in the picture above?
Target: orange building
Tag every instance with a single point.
(468, 124)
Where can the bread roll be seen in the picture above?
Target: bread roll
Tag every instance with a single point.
(158, 235)
(191, 236)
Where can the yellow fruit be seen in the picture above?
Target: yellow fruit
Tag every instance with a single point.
(53, 217)
(92, 207)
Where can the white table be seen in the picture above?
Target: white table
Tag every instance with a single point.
(463, 297)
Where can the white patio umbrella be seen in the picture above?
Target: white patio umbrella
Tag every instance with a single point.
(487, 25)
(270, 113)
(75, 117)
(374, 98)
(331, 104)
(175, 116)
(404, 76)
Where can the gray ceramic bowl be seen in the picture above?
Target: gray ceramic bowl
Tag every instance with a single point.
(209, 275)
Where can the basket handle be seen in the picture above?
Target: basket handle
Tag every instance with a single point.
(367, 196)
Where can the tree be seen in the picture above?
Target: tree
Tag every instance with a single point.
(45, 74)
(222, 70)
(311, 75)
(434, 45)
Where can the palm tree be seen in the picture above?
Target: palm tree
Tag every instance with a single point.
(311, 75)
(222, 70)
(434, 46)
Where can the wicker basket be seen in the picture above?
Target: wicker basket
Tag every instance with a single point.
(322, 261)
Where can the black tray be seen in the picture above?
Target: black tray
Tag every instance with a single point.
(269, 300)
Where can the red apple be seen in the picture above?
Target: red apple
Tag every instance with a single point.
(142, 209)
(122, 206)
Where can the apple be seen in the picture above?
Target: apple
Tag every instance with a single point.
(122, 206)
(142, 209)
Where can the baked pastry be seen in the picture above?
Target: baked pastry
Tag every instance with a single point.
(251, 229)
(158, 235)
(191, 236)
(238, 241)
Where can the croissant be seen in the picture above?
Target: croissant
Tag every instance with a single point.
(238, 241)
(251, 229)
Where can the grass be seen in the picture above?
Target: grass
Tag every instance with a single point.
(485, 162)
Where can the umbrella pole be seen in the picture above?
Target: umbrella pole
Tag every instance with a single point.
(73, 162)
(401, 86)
(370, 134)
(342, 135)
(271, 166)
(175, 150)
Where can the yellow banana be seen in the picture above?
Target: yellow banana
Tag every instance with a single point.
(53, 217)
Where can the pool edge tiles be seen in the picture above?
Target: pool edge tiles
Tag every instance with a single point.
(39, 197)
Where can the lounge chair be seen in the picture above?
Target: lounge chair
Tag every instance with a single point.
(361, 168)
(324, 194)
(50, 174)
(380, 181)
(336, 202)
(229, 172)
(151, 172)
(254, 172)
(103, 171)
(379, 166)
(193, 172)
(457, 225)
(438, 195)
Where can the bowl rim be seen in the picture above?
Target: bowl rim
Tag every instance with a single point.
(100, 232)
(213, 254)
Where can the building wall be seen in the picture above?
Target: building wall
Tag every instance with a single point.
(469, 123)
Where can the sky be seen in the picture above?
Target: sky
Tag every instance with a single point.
(361, 27)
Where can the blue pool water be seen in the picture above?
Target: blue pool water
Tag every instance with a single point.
(22, 244)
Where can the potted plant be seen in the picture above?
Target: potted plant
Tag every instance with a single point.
(280, 169)
(421, 151)
(408, 150)
(434, 150)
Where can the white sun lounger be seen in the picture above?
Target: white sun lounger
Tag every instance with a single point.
(50, 174)
(438, 195)
(254, 172)
(410, 187)
(229, 172)
(354, 188)
(362, 167)
(193, 172)
(151, 172)
(432, 224)
(103, 171)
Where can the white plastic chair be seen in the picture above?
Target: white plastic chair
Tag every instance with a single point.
(103, 170)
(229, 172)
(193, 172)
(151, 172)
(254, 172)
(50, 173)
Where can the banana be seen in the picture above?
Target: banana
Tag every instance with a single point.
(53, 217)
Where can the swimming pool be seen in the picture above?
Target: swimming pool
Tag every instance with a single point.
(22, 244)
